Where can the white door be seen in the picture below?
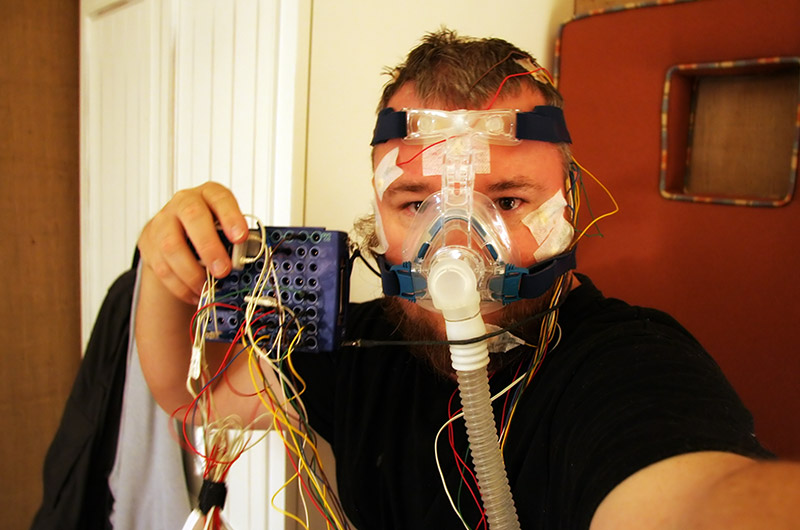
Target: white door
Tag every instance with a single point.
(175, 93)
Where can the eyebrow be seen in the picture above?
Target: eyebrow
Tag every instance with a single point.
(512, 184)
(515, 184)
(413, 187)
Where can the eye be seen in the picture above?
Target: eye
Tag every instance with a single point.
(412, 207)
(508, 203)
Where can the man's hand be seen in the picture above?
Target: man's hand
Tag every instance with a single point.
(192, 214)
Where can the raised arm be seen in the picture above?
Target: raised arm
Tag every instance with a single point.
(172, 280)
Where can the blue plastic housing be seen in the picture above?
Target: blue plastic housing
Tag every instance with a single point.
(312, 269)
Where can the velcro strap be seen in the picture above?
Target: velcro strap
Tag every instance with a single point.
(212, 494)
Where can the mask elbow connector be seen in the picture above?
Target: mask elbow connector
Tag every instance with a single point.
(454, 292)
(454, 289)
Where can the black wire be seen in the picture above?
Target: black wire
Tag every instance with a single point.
(357, 254)
(366, 343)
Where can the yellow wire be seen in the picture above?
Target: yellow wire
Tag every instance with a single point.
(297, 393)
(548, 324)
(295, 440)
(279, 510)
(610, 196)
(322, 493)
(283, 420)
(546, 331)
(291, 367)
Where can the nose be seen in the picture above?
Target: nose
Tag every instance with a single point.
(457, 232)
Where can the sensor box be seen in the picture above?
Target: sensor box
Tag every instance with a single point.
(311, 279)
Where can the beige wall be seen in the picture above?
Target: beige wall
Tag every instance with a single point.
(352, 41)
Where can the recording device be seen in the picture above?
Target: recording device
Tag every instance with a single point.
(306, 291)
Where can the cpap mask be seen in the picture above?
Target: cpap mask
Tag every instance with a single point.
(457, 224)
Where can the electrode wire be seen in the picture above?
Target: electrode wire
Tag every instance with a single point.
(225, 439)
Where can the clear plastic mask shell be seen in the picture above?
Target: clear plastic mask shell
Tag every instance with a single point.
(482, 240)
(495, 126)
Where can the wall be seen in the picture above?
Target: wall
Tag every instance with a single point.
(352, 42)
(40, 332)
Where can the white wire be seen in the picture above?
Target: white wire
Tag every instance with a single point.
(460, 415)
(436, 447)
(269, 359)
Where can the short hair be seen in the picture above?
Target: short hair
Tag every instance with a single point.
(448, 69)
(462, 72)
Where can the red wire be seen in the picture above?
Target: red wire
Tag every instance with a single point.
(210, 459)
(525, 383)
(294, 465)
(193, 404)
(239, 334)
(460, 462)
(489, 106)
(212, 304)
(419, 153)
(506, 78)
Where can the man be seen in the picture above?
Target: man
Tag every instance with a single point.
(627, 423)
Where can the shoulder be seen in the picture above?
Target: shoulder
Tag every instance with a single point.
(368, 320)
(636, 388)
(591, 317)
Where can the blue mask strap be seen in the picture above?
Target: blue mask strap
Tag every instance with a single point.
(517, 283)
(520, 283)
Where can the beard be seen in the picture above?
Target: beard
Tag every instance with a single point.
(416, 323)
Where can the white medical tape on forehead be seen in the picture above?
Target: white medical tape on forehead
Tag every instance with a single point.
(549, 227)
(383, 243)
(433, 158)
(387, 172)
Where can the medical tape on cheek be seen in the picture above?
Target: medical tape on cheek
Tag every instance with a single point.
(386, 172)
(433, 158)
(549, 227)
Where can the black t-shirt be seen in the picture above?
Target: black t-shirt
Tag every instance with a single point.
(625, 387)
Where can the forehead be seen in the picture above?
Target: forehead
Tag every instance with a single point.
(538, 164)
(406, 98)
(529, 168)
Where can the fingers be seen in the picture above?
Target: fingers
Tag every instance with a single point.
(226, 210)
(192, 214)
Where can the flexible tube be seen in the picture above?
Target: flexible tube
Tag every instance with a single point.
(490, 470)
(454, 291)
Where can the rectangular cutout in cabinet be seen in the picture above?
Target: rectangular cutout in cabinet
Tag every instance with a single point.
(730, 132)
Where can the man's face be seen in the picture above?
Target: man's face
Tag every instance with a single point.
(521, 178)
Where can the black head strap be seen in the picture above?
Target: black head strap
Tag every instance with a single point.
(544, 123)
(390, 124)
